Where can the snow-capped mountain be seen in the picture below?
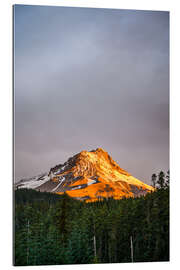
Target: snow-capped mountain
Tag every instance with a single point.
(88, 176)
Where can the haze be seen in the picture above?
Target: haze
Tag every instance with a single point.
(87, 78)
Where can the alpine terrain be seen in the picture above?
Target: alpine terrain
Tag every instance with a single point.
(88, 176)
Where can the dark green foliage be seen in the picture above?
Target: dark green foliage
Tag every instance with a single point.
(153, 180)
(161, 179)
(167, 179)
(52, 229)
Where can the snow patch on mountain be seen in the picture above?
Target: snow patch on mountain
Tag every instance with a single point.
(61, 180)
(90, 182)
(33, 182)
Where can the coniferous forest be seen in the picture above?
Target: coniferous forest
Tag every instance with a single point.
(52, 229)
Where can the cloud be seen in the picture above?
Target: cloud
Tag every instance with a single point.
(86, 78)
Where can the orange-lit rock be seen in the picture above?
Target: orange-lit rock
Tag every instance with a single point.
(88, 176)
(95, 175)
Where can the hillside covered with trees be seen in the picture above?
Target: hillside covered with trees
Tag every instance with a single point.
(52, 229)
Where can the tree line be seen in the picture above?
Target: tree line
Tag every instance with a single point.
(160, 180)
(52, 229)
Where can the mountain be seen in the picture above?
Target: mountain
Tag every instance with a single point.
(88, 176)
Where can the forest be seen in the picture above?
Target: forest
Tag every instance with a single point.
(51, 229)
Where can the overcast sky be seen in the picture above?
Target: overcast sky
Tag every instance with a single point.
(88, 78)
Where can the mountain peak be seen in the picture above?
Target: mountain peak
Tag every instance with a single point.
(99, 149)
(89, 176)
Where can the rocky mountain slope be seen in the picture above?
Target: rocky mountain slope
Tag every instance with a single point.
(88, 176)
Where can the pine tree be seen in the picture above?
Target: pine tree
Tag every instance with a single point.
(161, 179)
(167, 179)
(153, 179)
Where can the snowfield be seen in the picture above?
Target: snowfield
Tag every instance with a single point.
(33, 182)
(61, 180)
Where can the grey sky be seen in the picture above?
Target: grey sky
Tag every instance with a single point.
(88, 78)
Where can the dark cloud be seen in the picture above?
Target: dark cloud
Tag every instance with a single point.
(88, 78)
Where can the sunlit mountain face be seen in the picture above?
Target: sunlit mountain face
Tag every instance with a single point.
(88, 176)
